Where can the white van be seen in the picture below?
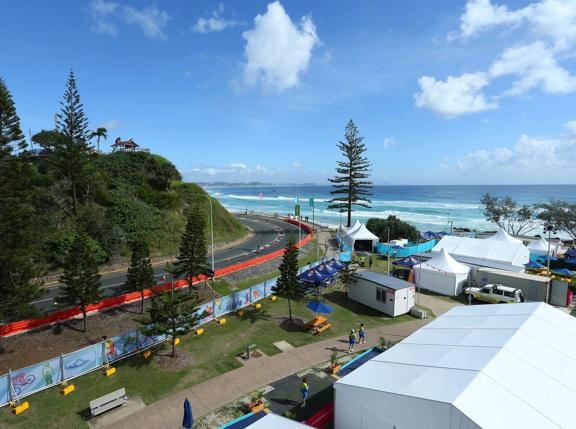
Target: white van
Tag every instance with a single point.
(496, 294)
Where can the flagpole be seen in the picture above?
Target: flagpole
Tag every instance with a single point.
(314, 225)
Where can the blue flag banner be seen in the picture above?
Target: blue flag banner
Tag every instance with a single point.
(83, 360)
(4, 395)
(122, 345)
(36, 377)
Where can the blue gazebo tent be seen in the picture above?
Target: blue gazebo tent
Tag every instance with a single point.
(406, 262)
(570, 254)
(312, 276)
(326, 269)
(564, 272)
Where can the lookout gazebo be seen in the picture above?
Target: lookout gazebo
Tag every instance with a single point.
(127, 146)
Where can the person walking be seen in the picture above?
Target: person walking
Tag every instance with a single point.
(362, 334)
(370, 261)
(362, 261)
(304, 390)
(351, 341)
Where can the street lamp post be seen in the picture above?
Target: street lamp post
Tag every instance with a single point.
(548, 228)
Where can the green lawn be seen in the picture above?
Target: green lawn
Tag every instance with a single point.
(212, 354)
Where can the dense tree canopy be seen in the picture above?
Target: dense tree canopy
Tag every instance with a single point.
(393, 225)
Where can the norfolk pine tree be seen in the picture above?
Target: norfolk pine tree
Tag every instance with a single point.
(140, 273)
(288, 284)
(81, 279)
(172, 313)
(349, 183)
(192, 258)
(19, 267)
(72, 153)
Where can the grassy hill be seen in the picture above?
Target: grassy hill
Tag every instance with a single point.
(137, 194)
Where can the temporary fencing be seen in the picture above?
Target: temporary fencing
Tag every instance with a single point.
(402, 252)
(58, 370)
(115, 301)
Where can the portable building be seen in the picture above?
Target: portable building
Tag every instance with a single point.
(495, 366)
(387, 294)
(442, 274)
(534, 288)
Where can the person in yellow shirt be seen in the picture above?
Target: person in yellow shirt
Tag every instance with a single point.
(304, 391)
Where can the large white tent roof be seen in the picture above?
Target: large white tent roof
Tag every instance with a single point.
(443, 262)
(277, 422)
(353, 227)
(484, 252)
(502, 235)
(503, 366)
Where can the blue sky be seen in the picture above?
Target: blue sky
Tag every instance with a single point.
(465, 92)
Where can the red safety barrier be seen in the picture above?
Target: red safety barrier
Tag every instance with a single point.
(322, 418)
(115, 301)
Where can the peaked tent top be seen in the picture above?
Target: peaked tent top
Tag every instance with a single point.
(541, 245)
(442, 261)
(502, 235)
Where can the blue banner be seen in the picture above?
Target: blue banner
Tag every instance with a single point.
(36, 377)
(147, 341)
(258, 292)
(83, 360)
(4, 395)
(209, 309)
(122, 345)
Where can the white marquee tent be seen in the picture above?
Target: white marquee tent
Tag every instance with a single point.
(496, 366)
(490, 253)
(442, 274)
(273, 421)
(502, 235)
(360, 234)
(540, 247)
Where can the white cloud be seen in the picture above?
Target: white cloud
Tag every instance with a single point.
(571, 126)
(455, 96)
(530, 160)
(111, 124)
(278, 51)
(388, 141)
(552, 19)
(215, 22)
(535, 66)
(296, 165)
(107, 16)
(482, 14)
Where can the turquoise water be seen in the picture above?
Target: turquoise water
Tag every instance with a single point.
(426, 207)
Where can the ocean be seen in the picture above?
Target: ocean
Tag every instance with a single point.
(426, 207)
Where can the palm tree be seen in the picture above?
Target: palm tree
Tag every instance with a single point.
(100, 132)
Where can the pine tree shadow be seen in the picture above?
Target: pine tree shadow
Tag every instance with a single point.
(254, 314)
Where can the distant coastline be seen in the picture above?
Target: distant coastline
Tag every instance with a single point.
(249, 184)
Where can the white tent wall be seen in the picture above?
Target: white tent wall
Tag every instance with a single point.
(443, 283)
(369, 409)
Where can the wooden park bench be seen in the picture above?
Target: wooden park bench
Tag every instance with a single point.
(322, 328)
(109, 401)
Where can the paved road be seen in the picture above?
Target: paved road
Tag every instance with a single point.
(270, 235)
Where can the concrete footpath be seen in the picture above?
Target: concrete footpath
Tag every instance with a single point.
(219, 391)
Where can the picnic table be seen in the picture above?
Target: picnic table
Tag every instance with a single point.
(319, 324)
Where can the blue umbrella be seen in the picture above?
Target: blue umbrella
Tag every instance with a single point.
(564, 272)
(313, 276)
(319, 307)
(533, 264)
(188, 420)
(406, 262)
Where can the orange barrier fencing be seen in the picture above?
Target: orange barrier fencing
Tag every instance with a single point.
(115, 301)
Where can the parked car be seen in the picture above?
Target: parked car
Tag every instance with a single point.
(496, 294)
